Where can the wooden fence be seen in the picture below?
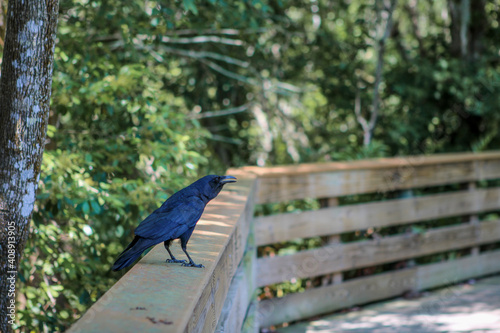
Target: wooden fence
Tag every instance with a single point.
(382, 197)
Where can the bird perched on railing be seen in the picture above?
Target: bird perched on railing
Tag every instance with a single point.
(176, 218)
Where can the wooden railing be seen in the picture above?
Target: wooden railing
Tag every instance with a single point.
(382, 197)
(158, 297)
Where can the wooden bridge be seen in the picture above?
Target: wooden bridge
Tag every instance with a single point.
(392, 205)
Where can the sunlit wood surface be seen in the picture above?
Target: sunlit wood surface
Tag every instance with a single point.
(452, 309)
(155, 296)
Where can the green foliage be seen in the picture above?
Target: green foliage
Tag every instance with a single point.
(134, 81)
(120, 144)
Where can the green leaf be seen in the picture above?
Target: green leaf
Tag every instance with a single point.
(95, 207)
(190, 6)
(85, 207)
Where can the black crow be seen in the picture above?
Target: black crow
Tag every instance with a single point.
(176, 218)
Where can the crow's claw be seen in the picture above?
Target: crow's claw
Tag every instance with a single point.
(176, 261)
(192, 264)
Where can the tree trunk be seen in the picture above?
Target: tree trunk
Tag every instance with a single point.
(385, 10)
(25, 84)
(467, 28)
(456, 44)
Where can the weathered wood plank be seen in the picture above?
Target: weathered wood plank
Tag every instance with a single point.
(322, 300)
(158, 297)
(376, 163)
(206, 313)
(331, 240)
(340, 257)
(341, 181)
(240, 293)
(251, 324)
(453, 271)
(474, 219)
(451, 308)
(336, 220)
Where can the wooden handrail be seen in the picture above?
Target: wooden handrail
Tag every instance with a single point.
(154, 296)
(280, 184)
(370, 164)
(409, 180)
(158, 297)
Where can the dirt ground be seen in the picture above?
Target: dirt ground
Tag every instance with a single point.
(473, 307)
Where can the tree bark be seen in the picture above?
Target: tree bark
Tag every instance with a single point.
(454, 10)
(464, 27)
(25, 87)
(467, 27)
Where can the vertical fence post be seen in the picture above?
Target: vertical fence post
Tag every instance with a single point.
(241, 292)
(474, 218)
(407, 194)
(251, 320)
(335, 278)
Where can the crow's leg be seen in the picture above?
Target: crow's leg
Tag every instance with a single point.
(191, 262)
(172, 260)
(184, 240)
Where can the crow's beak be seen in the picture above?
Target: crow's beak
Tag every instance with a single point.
(228, 179)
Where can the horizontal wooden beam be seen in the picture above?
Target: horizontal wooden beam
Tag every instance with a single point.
(341, 257)
(317, 301)
(158, 297)
(336, 220)
(375, 163)
(373, 176)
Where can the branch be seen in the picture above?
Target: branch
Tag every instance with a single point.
(378, 71)
(289, 87)
(202, 56)
(228, 73)
(156, 55)
(267, 83)
(211, 114)
(230, 32)
(205, 54)
(357, 111)
(202, 39)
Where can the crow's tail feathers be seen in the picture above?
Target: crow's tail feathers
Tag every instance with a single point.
(132, 252)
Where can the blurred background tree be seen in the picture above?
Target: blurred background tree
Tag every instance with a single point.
(150, 95)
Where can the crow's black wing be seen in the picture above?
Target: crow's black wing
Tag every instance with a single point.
(171, 221)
